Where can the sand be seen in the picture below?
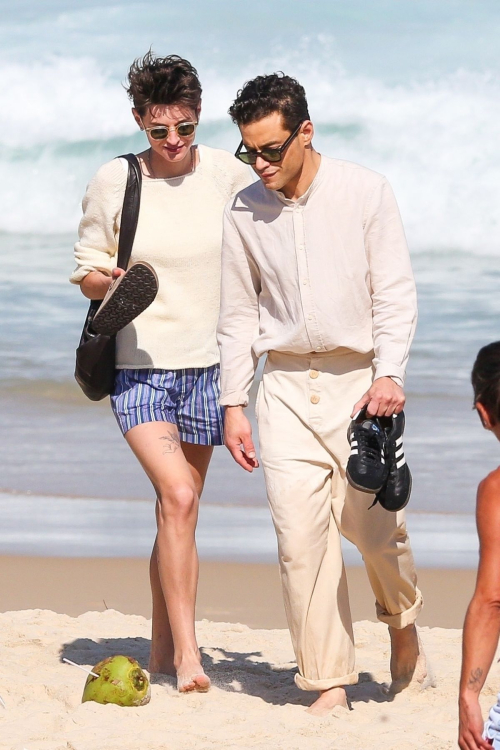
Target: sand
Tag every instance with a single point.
(228, 592)
(253, 704)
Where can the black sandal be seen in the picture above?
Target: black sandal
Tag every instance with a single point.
(126, 298)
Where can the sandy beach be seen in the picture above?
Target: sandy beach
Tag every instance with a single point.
(254, 702)
(228, 591)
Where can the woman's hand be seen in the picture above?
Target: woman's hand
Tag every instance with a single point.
(96, 284)
(470, 726)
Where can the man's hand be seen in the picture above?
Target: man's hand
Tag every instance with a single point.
(238, 438)
(470, 728)
(384, 399)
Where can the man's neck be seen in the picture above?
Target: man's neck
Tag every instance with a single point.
(302, 181)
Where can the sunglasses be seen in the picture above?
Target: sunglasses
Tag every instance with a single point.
(268, 154)
(160, 132)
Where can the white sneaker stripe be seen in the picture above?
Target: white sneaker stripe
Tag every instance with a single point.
(399, 440)
(401, 463)
(399, 452)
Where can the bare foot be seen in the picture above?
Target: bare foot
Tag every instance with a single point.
(408, 663)
(190, 675)
(161, 661)
(161, 666)
(198, 682)
(327, 701)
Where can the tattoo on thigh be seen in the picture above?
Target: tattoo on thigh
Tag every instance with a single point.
(475, 679)
(171, 443)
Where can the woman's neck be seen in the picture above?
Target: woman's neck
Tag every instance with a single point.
(160, 168)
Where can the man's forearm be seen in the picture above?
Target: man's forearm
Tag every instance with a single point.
(237, 366)
(480, 640)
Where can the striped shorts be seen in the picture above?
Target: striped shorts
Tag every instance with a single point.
(187, 398)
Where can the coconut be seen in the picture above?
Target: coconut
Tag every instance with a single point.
(120, 681)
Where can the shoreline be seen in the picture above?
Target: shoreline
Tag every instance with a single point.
(248, 593)
(41, 525)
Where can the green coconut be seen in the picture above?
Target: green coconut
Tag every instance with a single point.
(120, 681)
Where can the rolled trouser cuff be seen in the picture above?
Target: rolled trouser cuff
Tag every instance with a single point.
(402, 619)
(304, 684)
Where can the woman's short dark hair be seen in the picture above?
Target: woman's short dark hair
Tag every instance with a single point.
(486, 379)
(267, 94)
(163, 80)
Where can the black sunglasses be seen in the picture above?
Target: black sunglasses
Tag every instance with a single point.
(268, 154)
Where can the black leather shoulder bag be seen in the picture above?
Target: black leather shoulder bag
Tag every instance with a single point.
(95, 356)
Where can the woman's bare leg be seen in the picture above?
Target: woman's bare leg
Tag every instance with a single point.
(177, 472)
(162, 645)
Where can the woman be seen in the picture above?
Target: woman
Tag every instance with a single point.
(167, 385)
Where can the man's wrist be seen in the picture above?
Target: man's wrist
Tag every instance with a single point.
(468, 698)
(394, 378)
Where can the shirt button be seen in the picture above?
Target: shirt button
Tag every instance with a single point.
(315, 398)
(319, 349)
(309, 317)
(313, 374)
(305, 281)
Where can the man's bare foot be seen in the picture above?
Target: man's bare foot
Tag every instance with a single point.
(408, 663)
(327, 701)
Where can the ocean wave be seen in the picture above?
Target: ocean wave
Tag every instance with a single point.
(435, 140)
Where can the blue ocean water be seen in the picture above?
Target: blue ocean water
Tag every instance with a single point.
(409, 89)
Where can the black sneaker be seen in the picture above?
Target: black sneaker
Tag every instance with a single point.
(127, 298)
(366, 469)
(396, 492)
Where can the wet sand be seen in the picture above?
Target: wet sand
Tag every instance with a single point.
(228, 592)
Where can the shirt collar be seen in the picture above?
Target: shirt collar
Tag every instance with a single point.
(310, 190)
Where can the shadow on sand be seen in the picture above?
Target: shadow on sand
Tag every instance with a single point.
(232, 671)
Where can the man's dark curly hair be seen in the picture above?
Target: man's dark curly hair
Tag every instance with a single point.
(486, 379)
(163, 80)
(267, 94)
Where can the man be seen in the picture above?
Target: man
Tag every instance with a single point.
(316, 273)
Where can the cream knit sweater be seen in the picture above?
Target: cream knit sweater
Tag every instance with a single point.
(180, 233)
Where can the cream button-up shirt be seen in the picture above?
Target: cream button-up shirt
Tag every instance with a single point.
(328, 270)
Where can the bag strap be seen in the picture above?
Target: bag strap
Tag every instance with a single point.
(130, 210)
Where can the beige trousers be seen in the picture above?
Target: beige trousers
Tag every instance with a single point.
(303, 410)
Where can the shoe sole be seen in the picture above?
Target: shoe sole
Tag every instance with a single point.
(401, 507)
(133, 294)
(359, 487)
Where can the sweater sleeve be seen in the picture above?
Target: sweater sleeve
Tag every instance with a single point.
(239, 316)
(230, 175)
(99, 228)
(242, 177)
(394, 298)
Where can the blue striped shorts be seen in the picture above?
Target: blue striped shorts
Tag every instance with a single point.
(187, 398)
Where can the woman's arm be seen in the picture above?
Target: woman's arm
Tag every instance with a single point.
(482, 622)
(96, 250)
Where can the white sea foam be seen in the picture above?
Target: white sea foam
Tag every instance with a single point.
(436, 141)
